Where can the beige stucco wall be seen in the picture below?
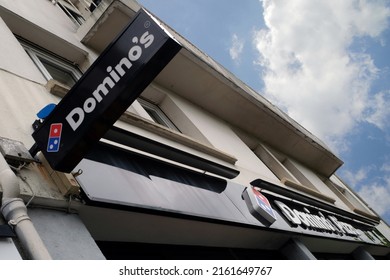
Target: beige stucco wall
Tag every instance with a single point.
(44, 15)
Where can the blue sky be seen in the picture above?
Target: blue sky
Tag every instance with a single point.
(325, 63)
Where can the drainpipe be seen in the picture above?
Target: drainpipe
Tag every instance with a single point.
(15, 212)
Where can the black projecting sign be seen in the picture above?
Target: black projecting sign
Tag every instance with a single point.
(117, 77)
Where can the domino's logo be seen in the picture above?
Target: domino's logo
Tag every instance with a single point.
(53, 144)
(263, 202)
(259, 206)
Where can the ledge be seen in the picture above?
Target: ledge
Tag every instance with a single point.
(167, 133)
(365, 214)
(307, 190)
(56, 88)
(340, 192)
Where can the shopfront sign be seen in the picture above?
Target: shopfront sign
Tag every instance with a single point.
(258, 205)
(105, 91)
(319, 221)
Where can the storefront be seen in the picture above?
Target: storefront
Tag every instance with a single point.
(154, 208)
(155, 151)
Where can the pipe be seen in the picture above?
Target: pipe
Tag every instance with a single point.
(15, 212)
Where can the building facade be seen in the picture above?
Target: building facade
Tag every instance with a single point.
(200, 166)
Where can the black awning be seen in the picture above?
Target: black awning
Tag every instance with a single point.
(141, 143)
(119, 177)
(151, 167)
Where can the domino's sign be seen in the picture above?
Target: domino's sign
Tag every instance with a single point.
(117, 77)
(259, 206)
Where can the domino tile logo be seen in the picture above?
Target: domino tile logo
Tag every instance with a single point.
(53, 143)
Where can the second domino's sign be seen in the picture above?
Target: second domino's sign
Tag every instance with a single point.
(105, 91)
(260, 207)
(319, 221)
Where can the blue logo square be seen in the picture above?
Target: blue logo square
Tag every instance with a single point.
(54, 144)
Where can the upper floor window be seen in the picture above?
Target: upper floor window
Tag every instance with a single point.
(71, 11)
(348, 196)
(288, 173)
(156, 114)
(52, 66)
(78, 10)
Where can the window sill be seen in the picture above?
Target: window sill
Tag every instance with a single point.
(341, 194)
(306, 190)
(57, 88)
(167, 133)
(365, 214)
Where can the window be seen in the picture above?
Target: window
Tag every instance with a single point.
(94, 5)
(157, 114)
(288, 173)
(348, 196)
(69, 8)
(52, 66)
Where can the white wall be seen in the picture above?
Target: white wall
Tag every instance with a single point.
(14, 59)
(45, 15)
(65, 235)
(8, 250)
(22, 91)
(218, 134)
(21, 99)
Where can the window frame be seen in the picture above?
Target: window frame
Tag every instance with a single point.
(349, 197)
(161, 119)
(38, 54)
(288, 174)
(71, 11)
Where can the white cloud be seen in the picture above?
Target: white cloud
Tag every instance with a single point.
(386, 168)
(374, 190)
(377, 196)
(356, 178)
(378, 110)
(236, 48)
(309, 69)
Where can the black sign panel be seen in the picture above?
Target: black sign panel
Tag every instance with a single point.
(105, 91)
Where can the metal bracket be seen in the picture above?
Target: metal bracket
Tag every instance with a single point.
(15, 151)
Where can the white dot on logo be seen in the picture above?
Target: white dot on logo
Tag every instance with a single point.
(55, 142)
(55, 130)
(51, 147)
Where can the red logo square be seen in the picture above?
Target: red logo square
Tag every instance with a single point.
(55, 130)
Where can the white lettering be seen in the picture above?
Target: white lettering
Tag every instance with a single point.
(146, 39)
(76, 117)
(119, 67)
(302, 217)
(75, 122)
(318, 222)
(288, 213)
(89, 105)
(113, 74)
(135, 53)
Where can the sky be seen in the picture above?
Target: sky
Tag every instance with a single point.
(326, 63)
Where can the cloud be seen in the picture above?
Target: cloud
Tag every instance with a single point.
(386, 168)
(379, 106)
(377, 195)
(373, 185)
(354, 179)
(236, 48)
(310, 70)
